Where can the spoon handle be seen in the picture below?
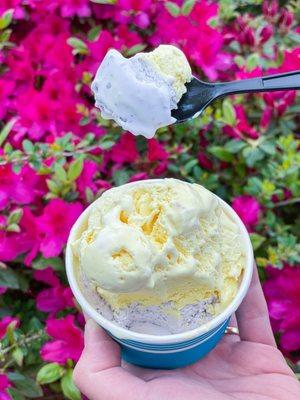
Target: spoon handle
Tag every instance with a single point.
(286, 81)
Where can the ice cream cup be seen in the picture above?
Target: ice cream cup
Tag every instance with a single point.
(165, 351)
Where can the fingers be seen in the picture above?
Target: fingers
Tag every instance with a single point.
(98, 373)
(232, 337)
(252, 315)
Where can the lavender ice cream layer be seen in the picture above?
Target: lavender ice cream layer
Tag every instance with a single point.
(152, 320)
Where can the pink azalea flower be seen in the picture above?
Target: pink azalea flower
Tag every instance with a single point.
(201, 43)
(282, 290)
(103, 11)
(13, 244)
(125, 150)
(97, 51)
(248, 209)
(103, 185)
(161, 168)
(16, 5)
(71, 8)
(270, 8)
(135, 11)
(5, 321)
(6, 90)
(54, 299)
(28, 240)
(266, 117)
(205, 162)
(4, 384)
(47, 276)
(266, 33)
(279, 101)
(55, 224)
(243, 73)
(156, 151)
(126, 38)
(68, 340)
(9, 248)
(243, 126)
(13, 187)
(140, 176)
(86, 178)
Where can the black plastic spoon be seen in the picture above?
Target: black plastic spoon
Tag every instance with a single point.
(201, 94)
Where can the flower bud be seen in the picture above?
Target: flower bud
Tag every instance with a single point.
(266, 117)
(270, 8)
(249, 36)
(204, 161)
(285, 19)
(281, 107)
(266, 33)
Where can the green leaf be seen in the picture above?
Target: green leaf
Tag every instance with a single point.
(295, 37)
(6, 130)
(234, 146)
(187, 7)
(15, 216)
(15, 394)
(49, 373)
(239, 60)
(8, 279)
(23, 282)
(104, 1)
(190, 165)
(75, 169)
(107, 144)
(60, 172)
(268, 148)
(69, 389)
(252, 61)
(18, 356)
(25, 385)
(28, 146)
(6, 18)
(94, 33)
(256, 240)
(55, 262)
(229, 114)
(89, 195)
(252, 155)
(121, 176)
(173, 8)
(52, 186)
(221, 153)
(78, 45)
(135, 49)
(13, 228)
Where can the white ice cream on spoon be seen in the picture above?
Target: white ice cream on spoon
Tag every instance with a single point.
(139, 93)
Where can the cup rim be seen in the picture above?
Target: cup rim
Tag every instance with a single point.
(123, 333)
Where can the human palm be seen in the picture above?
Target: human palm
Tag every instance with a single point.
(247, 367)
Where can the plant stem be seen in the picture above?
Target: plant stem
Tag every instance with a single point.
(287, 202)
(22, 342)
(64, 153)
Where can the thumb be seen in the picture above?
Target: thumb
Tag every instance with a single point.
(100, 350)
(98, 373)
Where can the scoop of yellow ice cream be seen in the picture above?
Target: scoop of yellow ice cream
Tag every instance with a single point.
(140, 92)
(169, 61)
(157, 242)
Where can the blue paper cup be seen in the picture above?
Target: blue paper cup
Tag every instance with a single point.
(165, 351)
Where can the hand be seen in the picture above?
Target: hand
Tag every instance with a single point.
(247, 367)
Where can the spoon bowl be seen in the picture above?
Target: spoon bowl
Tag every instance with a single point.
(200, 94)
